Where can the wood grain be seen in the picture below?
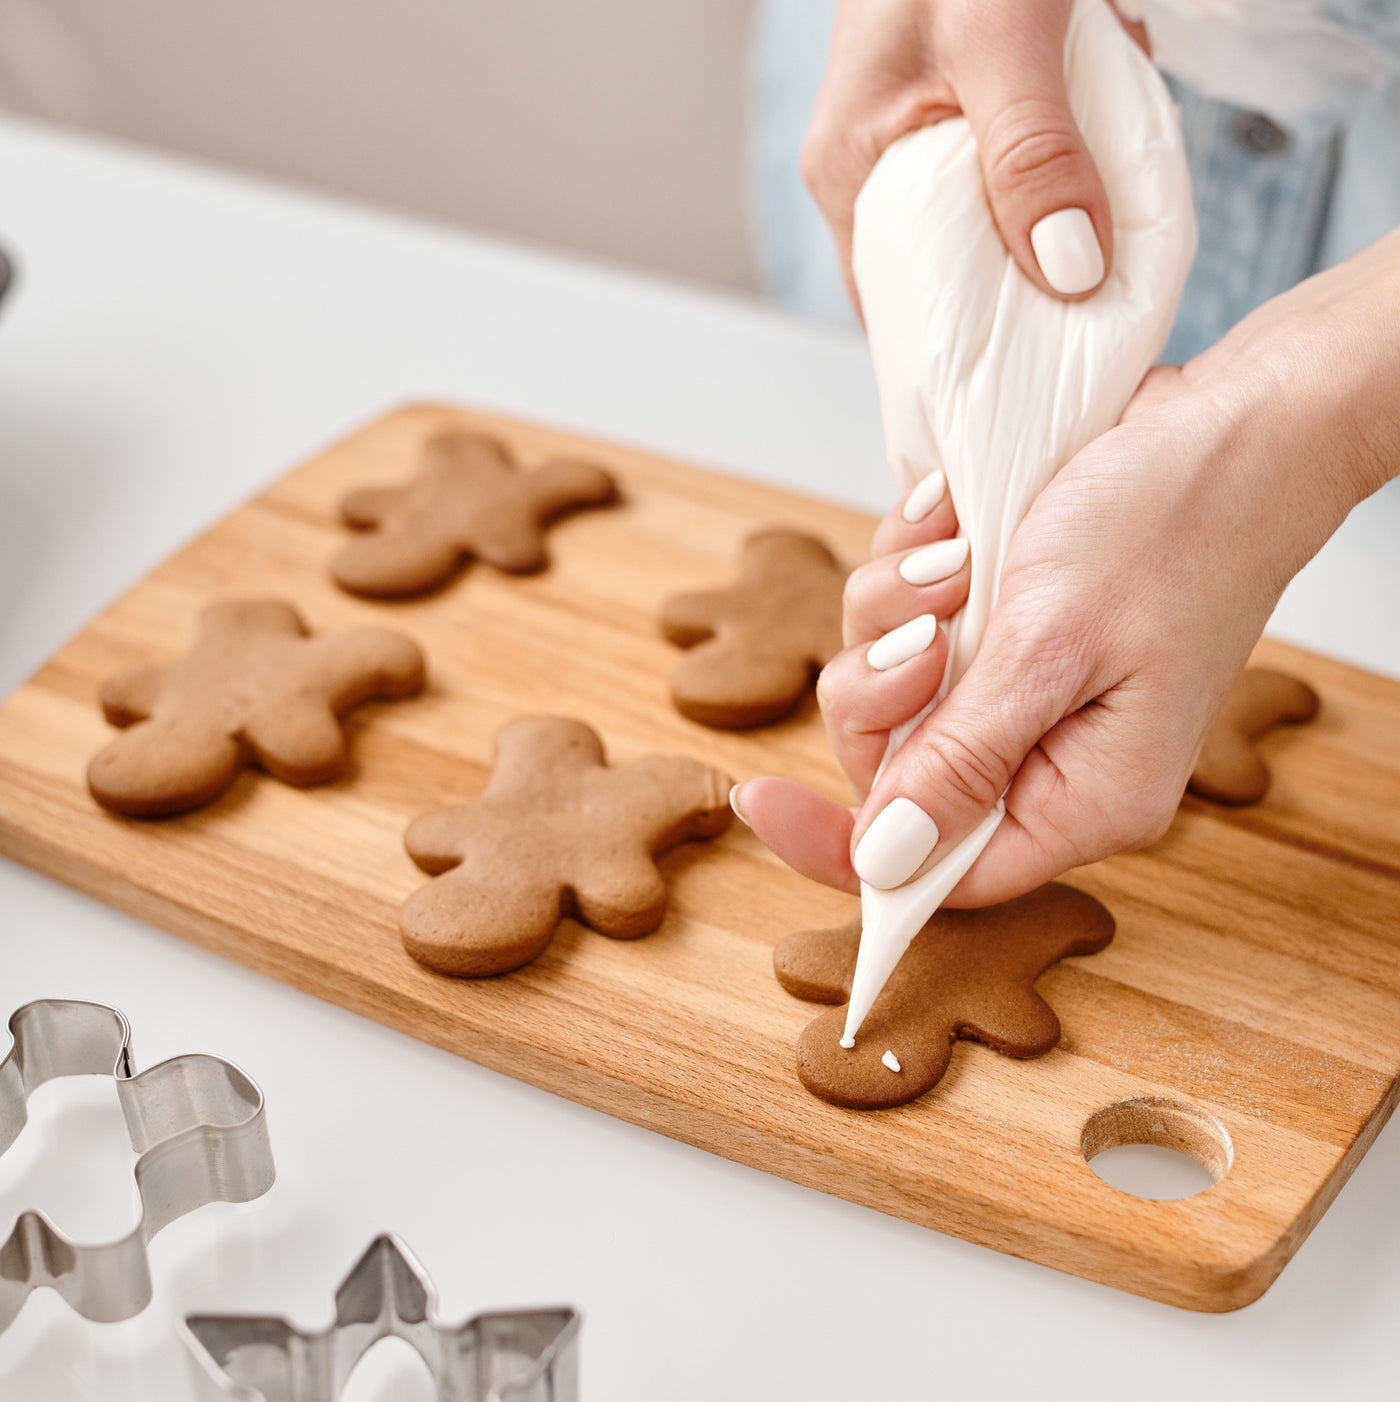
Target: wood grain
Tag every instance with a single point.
(1254, 983)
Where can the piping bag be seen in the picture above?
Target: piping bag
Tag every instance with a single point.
(983, 376)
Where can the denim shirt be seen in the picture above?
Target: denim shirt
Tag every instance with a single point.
(1275, 201)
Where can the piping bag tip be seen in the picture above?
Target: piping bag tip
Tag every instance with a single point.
(889, 920)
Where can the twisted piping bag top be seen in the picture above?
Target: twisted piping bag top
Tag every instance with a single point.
(995, 382)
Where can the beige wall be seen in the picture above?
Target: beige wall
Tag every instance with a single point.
(610, 127)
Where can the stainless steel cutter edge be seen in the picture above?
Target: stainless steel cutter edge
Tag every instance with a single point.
(499, 1356)
(197, 1122)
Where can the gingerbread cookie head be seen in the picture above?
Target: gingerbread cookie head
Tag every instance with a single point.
(556, 832)
(968, 973)
(1229, 769)
(468, 500)
(757, 646)
(254, 689)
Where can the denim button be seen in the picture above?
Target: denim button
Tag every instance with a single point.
(1257, 134)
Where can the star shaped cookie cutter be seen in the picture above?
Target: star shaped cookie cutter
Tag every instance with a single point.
(196, 1121)
(506, 1356)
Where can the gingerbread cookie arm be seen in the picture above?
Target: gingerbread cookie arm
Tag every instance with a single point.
(131, 696)
(393, 564)
(370, 506)
(434, 839)
(163, 766)
(565, 484)
(363, 664)
(674, 799)
(687, 619)
(817, 965)
(730, 683)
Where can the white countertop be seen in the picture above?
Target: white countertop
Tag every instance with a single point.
(176, 338)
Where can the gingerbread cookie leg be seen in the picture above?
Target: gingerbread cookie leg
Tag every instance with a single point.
(164, 766)
(131, 696)
(301, 748)
(458, 925)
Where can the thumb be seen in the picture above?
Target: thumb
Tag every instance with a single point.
(1043, 187)
(950, 772)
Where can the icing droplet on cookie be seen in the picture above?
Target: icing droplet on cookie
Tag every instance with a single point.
(891, 1060)
(848, 1042)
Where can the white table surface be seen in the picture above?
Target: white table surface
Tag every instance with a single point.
(176, 339)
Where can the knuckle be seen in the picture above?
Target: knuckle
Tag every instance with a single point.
(1030, 141)
(961, 767)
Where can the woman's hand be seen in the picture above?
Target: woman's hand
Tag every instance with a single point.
(1130, 597)
(897, 65)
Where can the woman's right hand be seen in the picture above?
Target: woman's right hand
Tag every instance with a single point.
(1130, 598)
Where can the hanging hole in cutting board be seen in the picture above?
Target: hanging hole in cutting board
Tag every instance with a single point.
(1155, 1148)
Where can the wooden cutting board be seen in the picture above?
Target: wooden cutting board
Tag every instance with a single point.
(1248, 1010)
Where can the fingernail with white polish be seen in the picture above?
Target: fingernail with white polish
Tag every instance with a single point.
(1068, 251)
(934, 562)
(734, 804)
(902, 643)
(924, 497)
(895, 845)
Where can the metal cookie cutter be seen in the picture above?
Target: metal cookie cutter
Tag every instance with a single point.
(196, 1121)
(510, 1356)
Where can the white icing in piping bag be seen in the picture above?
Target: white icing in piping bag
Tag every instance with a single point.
(994, 383)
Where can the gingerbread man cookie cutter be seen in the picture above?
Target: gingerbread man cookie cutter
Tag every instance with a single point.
(526, 1355)
(196, 1121)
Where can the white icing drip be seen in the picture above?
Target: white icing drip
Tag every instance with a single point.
(891, 1060)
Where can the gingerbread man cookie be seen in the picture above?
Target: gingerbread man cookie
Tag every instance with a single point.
(254, 688)
(1229, 769)
(757, 646)
(968, 973)
(468, 500)
(556, 832)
